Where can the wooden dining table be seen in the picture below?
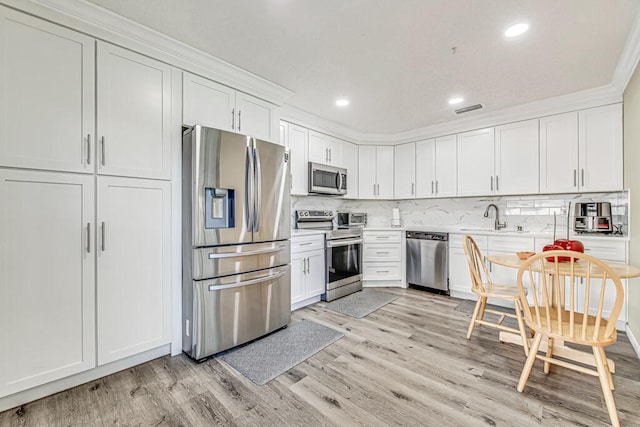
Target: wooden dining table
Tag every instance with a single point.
(624, 271)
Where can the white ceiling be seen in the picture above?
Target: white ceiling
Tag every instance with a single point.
(393, 58)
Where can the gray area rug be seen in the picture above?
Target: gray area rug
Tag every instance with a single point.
(467, 306)
(264, 359)
(361, 303)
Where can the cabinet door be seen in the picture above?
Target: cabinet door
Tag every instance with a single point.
(284, 134)
(445, 166)
(47, 272)
(46, 95)
(425, 168)
(600, 148)
(335, 152)
(366, 171)
(298, 277)
(298, 138)
(475, 163)
(255, 117)
(350, 162)
(134, 270)
(404, 180)
(559, 153)
(516, 158)
(315, 274)
(207, 103)
(318, 147)
(134, 114)
(384, 172)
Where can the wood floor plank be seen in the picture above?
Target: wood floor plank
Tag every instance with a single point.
(408, 363)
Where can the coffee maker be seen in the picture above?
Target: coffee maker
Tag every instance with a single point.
(593, 217)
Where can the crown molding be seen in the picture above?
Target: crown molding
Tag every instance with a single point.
(102, 24)
(628, 58)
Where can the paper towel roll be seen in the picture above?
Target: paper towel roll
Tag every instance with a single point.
(396, 213)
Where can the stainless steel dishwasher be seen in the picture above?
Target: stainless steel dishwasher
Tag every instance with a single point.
(427, 260)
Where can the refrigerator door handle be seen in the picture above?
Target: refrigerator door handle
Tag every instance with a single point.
(248, 187)
(246, 282)
(258, 196)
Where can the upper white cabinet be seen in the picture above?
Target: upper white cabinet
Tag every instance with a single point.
(404, 181)
(324, 149)
(350, 163)
(211, 104)
(375, 172)
(134, 114)
(134, 266)
(475, 163)
(47, 102)
(582, 151)
(47, 277)
(516, 158)
(501, 160)
(298, 140)
(436, 171)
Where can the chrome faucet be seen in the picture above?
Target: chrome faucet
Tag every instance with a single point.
(498, 225)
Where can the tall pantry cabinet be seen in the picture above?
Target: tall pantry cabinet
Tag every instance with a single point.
(85, 212)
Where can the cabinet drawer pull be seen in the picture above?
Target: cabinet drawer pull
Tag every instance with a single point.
(382, 271)
(497, 184)
(436, 186)
(88, 237)
(102, 150)
(306, 244)
(491, 183)
(88, 148)
(432, 187)
(582, 177)
(102, 232)
(383, 237)
(412, 188)
(382, 252)
(575, 183)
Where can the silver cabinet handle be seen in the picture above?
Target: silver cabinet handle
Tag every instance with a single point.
(383, 237)
(329, 155)
(492, 183)
(239, 120)
(88, 148)
(575, 183)
(233, 119)
(326, 154)
(88, 237)
(497, 184)
(412, 188)
(436, 186)
(102, 150)
(382, 271)
(102, 240)
(308, 265)
(582, 176)
(382, 252)
(378, 189)
(432, 187)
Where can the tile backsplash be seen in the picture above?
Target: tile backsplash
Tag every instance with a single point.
(533, 213)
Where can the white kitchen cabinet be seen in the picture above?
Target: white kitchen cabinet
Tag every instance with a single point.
(214, 105)
(47, 277)
(516, 158)
(133, 266)
(582, 151)
(475, 162)
(459, 276)
(507, 245)
(134, 114)
(284, 131)
(383, 258)
(375, 172)
(47, 101)
(436, 168)
(350, 163)
(307, 269)
(324, 149)
(298, 140)
(404, 180)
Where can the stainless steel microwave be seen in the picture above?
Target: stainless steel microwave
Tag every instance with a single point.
(325, 179)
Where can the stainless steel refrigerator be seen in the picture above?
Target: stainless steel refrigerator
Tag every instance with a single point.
(236, 280)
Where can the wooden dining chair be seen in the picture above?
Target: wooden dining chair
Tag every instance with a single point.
(483, 287)
(572, 306)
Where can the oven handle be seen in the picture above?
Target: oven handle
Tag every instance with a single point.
(343, 242)
(247, 282)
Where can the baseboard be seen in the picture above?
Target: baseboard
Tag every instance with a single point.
(35, 393)
(633, 340)
(305, 302)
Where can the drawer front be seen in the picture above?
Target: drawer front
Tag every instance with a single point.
(612, 251)
(382, 271)
(382, 252)
(307, 243)
(455, 241)
(510, 244)
(382, 236)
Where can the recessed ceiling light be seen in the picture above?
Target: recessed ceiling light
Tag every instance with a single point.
(342, 102)
(516, 30)
(456, 100)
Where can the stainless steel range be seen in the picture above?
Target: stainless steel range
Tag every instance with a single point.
(343, 253)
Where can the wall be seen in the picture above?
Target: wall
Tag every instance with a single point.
(533, 213)
(632, 181)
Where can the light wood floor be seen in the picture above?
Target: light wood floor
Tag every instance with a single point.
(406, 364)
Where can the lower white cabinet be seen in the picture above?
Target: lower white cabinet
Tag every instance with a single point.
(459, 276)
(133, 263)
(47, 277)
(307, 269)
(383, 258)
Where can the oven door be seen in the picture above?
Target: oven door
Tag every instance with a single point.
(344, 262)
